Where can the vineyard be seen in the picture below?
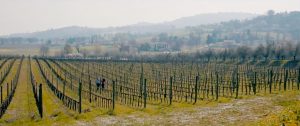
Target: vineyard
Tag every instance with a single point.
(67, 87)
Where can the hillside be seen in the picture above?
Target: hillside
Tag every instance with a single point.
(76, 31)
(205, 19)
(279, 22)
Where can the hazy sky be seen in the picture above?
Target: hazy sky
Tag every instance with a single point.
(34, 15)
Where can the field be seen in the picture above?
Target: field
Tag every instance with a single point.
(25, 49)
(45, 91)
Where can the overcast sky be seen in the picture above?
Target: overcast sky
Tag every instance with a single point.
(35, 15)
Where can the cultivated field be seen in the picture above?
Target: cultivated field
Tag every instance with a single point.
(45, 91)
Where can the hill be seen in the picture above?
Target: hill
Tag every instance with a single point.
(284, 23)
(76, 31)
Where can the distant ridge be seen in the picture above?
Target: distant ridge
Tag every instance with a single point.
(144, 27)
(213, 18)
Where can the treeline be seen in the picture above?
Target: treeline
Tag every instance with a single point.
(284, 22)
(18, 40)
(263, 52)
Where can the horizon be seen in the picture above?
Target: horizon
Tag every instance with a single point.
(44, 15)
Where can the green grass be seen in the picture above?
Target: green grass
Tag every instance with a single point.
(22, 108)
(290, 115)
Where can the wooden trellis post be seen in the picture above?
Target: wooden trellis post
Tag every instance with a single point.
(145, 93)
(7, 89)
(285, 79)
(79, 95)
(113, 94)
(170, 91)
(237, 85)
(271, 81)
(217, 87)
(1, 95)
(254, 85)
(41, 100)
(298, 82)
(90, 89)
(196, 89)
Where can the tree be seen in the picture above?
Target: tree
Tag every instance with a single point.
(176, 46)
(85, 52)
(71, 40)
(271, 12)
(98, 50)
(297, 50)
(243, 52)
(279, 52)
(49, 42)
(289, 49)
(77, 48)
(259, 51)
(145, 47)
(194, 39)
(162, 37)
(154, 39)
(68, 49)
(224, 54)
(208, 54)
(209, 39)
(124, 48)
(267, 51)
(44, 50)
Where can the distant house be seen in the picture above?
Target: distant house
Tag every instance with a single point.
(124, 48)
(229, 41)
(74, 55)
(226, 44)
(159, 46)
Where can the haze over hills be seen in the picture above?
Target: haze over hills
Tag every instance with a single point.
(204, 19)
(76, 31)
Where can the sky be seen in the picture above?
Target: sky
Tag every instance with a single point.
(20, 16)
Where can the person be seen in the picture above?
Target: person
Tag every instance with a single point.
(103, 83)
(98, 83)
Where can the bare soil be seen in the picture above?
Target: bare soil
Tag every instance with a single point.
(237, 112)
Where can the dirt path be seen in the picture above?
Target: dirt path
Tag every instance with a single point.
(237, 112)
(22, 107)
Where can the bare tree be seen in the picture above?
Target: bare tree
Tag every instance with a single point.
(271, 12)
(77, 48)
(243, 52)
(279, 52)
(68, 49)
(44, 50)
(84, 52)
(224, 54)
(98, 50)
(289, 49)
(258, 52)
(208, 54)
(267, 51)
(297, 50)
